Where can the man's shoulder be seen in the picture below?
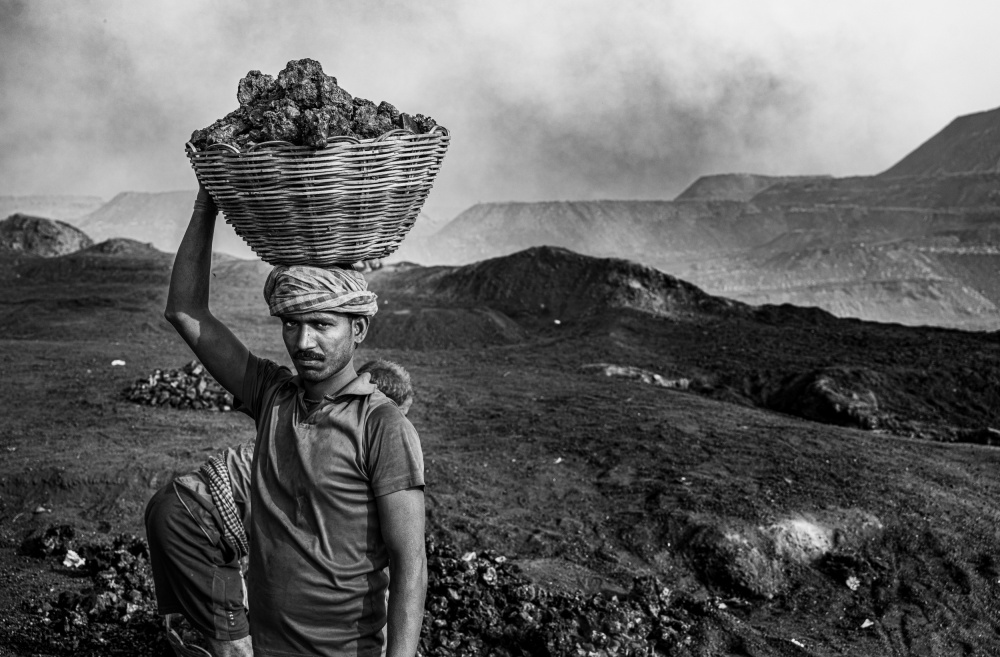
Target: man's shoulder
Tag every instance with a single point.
(268, 375)
(384, 417)
(383, 409)
(259, 367)
(262, 381)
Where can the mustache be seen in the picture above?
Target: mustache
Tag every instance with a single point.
(308, 355)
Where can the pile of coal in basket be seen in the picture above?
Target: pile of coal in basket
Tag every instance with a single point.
(305, 107)
(190, 387)
(477, 604)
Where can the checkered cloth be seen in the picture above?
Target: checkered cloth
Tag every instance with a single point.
(221, 488)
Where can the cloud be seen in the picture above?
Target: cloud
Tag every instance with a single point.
(556, 99)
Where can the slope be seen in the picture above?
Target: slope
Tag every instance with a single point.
(968, 143)
(908, 281)
(762, 533)
(733, 186)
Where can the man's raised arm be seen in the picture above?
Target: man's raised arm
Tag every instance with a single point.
(213, 343)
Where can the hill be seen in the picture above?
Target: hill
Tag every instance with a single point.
(969, 143)
(917, 281)
(633, 229)
(964, 191)
(733, 186)
(114, 261)
(64, 208)
(556, 283)
(859, 246)
(425, 226)
(35, 236)
(756, 252)
(158, 218)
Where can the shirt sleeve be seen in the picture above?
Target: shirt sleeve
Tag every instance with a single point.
(261, 376)
(238, 461)
(395, 459)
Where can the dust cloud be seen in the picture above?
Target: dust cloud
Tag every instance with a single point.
(557, 100)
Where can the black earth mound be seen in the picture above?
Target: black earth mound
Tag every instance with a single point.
(555, 282)
(37, 236)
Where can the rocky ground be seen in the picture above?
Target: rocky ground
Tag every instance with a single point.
(570, 512)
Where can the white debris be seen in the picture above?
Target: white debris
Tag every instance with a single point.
(469, 556)
(117, 363)
(558, 460)
(73, 560)
(557, 322)
(638, 374)
(868, 623)
(853, 583)
(798, 643)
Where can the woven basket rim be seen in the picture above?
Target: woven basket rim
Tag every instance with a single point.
(332, 142)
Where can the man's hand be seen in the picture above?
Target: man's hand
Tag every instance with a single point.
(204, 203)
(401, 515)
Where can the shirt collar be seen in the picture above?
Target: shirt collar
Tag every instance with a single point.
(360, 386)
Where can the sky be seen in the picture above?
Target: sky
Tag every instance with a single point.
(545, 99)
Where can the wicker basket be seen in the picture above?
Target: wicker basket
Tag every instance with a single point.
(351, 201)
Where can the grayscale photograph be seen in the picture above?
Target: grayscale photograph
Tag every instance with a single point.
(499, 328)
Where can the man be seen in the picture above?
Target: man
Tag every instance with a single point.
(336, 489)
(195, 526)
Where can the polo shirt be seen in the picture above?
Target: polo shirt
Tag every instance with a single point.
(318, 574)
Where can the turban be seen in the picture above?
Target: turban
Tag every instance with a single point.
(303, 289)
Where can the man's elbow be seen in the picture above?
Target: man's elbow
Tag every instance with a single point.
(177, 318)
(187, 325)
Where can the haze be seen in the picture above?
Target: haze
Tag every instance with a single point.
(557, 100)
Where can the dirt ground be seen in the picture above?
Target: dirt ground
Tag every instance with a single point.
(805, 538)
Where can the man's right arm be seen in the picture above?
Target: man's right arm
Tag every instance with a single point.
(219, 350)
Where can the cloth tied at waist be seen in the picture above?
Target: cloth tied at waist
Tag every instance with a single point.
(302, 289)
(219, 485)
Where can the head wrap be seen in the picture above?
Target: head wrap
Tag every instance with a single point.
(304, 289)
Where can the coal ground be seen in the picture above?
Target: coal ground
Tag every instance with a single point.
(765, 533)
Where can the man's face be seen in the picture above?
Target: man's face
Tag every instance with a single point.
(321, 344)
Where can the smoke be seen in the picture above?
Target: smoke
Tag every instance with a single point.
(566, 99)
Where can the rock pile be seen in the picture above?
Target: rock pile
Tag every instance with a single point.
(477, 604)
(190, 387)
(114, 615)
(54, 541)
